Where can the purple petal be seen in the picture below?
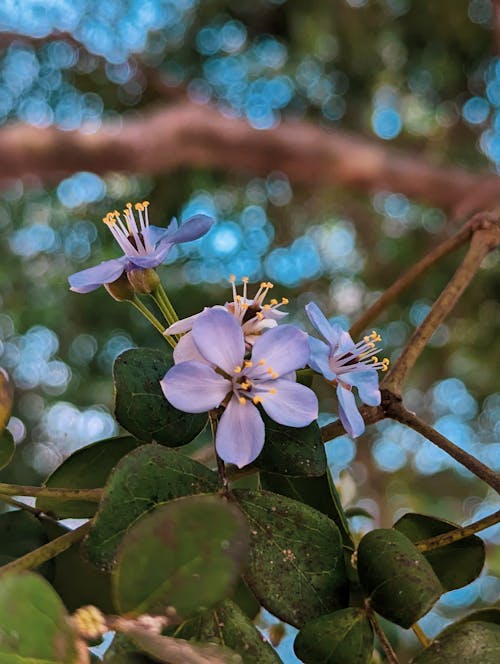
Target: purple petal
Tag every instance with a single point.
(104, 273)
(344, 341)
(349, 413)
(194, 387)
(183, 325)
(319, 320)
(191, 229)
(319, 358)
(156, 233)
(144, 262)
(284, 348)
(219, 338)
(240, 434)
(186, 350)
(293, 404)
(367, 384)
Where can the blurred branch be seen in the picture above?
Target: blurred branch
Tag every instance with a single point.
(93, 495)
(458, 533)
(496, 26)
(185, 134)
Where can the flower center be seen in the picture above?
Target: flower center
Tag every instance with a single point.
(362, 357)
(250, 382)
(246, 309)
(132, 235)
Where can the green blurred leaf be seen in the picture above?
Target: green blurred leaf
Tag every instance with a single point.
(147, 476)
(187, 553)
(296, 567)
(227, 625)
(292, 451)
(124, 651)
(33, 624)
(140, 405)
(245, 599)
(358, 511)
(20, 533)
(400, 582)
(471, 643)
(87, 468)
(344, 636)
(456, 564)
(7, 448)
(6, 398)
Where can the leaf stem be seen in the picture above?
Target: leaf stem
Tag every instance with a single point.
(35, 558)
(458, 533)
(421, 635)
(94, 495)
(384, 641)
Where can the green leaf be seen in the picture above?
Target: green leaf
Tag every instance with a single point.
(245, 599)
(296, 568)
(358, 511)
(87, 468)
(317, 492)
(471, 643)
(227, 625)
(140, 405)
(33, 623)
(149, 475)
(6, 398)
(7, 448)
(344, 636)
(490, 614)
(20, 533)
(400, 582)
(124, 651)
(187, 553)
(292, 451)
(456, 564)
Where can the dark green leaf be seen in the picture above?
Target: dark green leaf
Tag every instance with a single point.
(489, 615)
(296, 567)
(6, 398)
(456, 564)
(344, 636)
(318, 492)
(147, 476)
(292, 451)
(187, 553)
(87, 468)
(20, 533)
(33, 623)
(400, 582)
(357, 511)
(140, 406)
(7, 448)
(245, 599)
(471, 643)
(229, 626)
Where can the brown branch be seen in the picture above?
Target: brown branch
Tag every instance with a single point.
(496, 26)
(199, 136)
(458, 533)
(483, 241)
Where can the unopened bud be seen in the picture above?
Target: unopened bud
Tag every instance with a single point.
(89, 622)
(120, 289)
(143, 281)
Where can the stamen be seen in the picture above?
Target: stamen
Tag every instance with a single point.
(248, 363)
(256, 399)
(284, 300)
(262, 362)
(237, 369)
(259, 315)
(274, 301)
(273, 390)
(242, 400)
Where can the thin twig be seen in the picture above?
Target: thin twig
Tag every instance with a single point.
(24, 506)
(93, 495)
(421, 636)
(458, 533)
(35, 558)
(384, 641)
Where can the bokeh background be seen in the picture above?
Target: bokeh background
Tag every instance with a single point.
(421, 75)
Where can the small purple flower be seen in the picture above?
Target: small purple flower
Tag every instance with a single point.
(144, 246)
(226, 378)
(346, 365)
(253, 315)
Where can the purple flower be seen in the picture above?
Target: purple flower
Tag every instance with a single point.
(226, 378)
(346, 365)
(252, 314)
(144, 246)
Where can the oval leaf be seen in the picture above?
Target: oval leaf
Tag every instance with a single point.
(6, 398)
(296, 567)
(33, 623)
(186, 553)
(472, 643)
(400, 582)
(20, 533)
(291, 450)
(227, 625)
(140, 405)
(7, 448)
(456, 564)
(87, 468)
(147, 476)
(344, 636)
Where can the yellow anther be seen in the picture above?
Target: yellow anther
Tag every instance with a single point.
(248, 363)
(237, 369)
(259, 315)
(275, 375)
(366, 339)
(129, 205)
(270, 370)
(244, 280)
(232, 278)
(246, 385)
(284, 300)
(262, 362)
(374, 359)
(263, 284)
(257, 399)
(272, 390)
(371, 345)
(274, 301)
(269, 285)
(139, 207)
(145, 203)
(242, 400)
(244, 306)
(266, 306)
(238, 298)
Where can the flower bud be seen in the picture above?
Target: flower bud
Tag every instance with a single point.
(120, 289)
(143, 281)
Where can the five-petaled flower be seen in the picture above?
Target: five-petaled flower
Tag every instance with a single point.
(346, 365)
(144, 246)
(252, 314)
(228, 377)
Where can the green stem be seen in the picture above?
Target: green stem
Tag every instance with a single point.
(35, 558)
(94, 495)
(169, 306)
(458, 533)
(152, 319)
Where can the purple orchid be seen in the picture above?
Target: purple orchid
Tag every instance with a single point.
(226, 378)
(144, 246)
(252, 314)
(346, 365)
